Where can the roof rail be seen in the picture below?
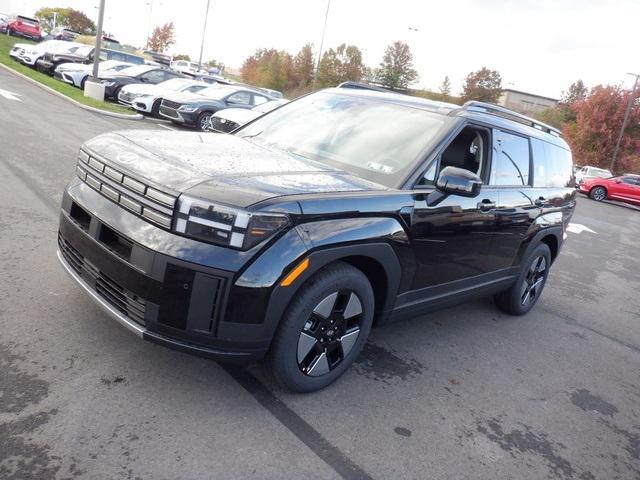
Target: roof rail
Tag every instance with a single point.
(492, 109)
(364, 86)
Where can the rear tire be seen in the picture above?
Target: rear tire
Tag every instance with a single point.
(323, 329)
(598, 194)
(524, 294)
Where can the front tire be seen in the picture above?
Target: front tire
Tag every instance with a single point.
(524, 294)
(598, 194)
(323, 329)
(155, 108)
(203, 121)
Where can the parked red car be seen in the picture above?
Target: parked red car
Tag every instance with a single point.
(625, 188)
(24, 27)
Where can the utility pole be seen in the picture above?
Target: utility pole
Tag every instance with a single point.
(204, 31)
(632, 98)
(324, 29)
(96, 51)
(55, 18)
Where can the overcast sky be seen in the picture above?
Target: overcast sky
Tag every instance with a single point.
(539, 46)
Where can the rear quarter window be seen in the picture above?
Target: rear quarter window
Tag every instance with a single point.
(552, 165)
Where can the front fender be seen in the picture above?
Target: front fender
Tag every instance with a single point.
(373, 240)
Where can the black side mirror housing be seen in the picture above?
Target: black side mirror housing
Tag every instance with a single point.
(459, 181)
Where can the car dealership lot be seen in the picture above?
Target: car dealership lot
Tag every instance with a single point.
(466, 392)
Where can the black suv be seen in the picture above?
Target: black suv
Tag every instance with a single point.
(291, 237)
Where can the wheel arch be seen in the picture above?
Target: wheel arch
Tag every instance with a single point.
(377, 261)
(551, 236)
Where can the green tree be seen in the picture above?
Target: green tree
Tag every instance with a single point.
(303, 66)
(396, 69)
(269, 68)
(340, 65)
(577, 91)
(445, 89)
(162, 38)
(484, 85)
(182, 56)
(67, 17)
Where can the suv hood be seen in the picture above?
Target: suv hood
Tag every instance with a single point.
(238, 115)
(222, 168)
(189, 97)
(145, 89)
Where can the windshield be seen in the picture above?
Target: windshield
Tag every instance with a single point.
(83, 51)
(377, 140)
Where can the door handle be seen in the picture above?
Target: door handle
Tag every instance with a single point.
(486, 205)
(539, 202)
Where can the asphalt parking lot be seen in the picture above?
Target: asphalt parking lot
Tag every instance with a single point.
(466, 392)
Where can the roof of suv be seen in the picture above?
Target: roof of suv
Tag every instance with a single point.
(483, 112)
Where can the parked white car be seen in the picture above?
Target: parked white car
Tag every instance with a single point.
(146, 98)
(76, 74)
(588, 172)
(29, 53)
(188, 68)
(227, 120)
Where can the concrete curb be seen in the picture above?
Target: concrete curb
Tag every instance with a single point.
(135, 116)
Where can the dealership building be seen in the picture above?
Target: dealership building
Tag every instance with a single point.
(525, 102)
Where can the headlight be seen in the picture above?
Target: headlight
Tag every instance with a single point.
(109, 84)
(225, 225)
(187, 108)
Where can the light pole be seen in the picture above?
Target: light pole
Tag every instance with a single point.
(324, 29)
(204, 31)
(150, 3)
(96, 51)
(627, 112)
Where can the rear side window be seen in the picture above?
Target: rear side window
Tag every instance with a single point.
(510, 165)
(552, 165)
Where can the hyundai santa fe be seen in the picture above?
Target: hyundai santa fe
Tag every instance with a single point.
(290, 238)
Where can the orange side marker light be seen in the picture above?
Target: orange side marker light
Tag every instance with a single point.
(295, 273)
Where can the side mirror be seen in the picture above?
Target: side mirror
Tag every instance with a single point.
(617, 180)
(458, 181)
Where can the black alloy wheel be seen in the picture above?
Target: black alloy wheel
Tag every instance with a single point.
(329, 334)
(525, 292)
(323, 329)
(533, 281)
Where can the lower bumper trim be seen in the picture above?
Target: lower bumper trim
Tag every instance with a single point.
(113, 313)
(146, 334)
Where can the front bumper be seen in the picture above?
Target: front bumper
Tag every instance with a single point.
(189, 119)
(158, 296)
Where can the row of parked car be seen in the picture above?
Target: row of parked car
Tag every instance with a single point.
(194, 99)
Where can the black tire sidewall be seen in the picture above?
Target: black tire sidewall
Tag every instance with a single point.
(282, 358)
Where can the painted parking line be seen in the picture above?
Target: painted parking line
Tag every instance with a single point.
(9, 95)
(167, 127)
(579, 228)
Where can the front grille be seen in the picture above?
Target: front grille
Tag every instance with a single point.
(170, 104)
(222, 125)
(119, 297)
(168, 111)
(153, 205)
(126, 97)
